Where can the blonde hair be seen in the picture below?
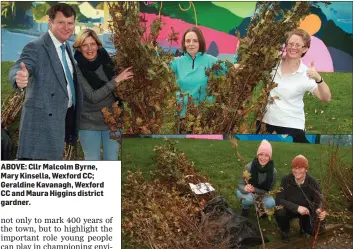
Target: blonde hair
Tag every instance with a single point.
(303, 34)
(85, 33)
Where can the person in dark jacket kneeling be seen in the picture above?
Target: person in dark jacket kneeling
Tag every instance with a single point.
(301, 198)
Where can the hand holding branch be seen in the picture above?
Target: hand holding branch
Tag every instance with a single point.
(124, 75)
(322, 214)
(249, 188)
(303, 210)
(237, 66)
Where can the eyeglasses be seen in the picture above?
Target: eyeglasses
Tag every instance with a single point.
(291, 45)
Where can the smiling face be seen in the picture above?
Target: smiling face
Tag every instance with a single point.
(192, 43)
(299, 173)
(62, 27)
(89, 48)
(295, 47)
(263, 159)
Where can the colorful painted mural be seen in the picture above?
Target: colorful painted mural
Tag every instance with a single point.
(330, 26)
(342, 140)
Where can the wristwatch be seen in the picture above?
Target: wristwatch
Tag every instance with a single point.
(320, 81)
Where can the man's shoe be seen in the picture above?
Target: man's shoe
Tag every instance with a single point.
(245, 212)
(285, 237)
(303, 234)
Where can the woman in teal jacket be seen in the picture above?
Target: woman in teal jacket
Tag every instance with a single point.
(190, 68)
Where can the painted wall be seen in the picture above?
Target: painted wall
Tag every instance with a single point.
(330, 27)
(342, 140)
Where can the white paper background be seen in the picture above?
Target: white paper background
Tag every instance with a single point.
(84, 207)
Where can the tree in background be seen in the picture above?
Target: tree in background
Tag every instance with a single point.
(13, 13)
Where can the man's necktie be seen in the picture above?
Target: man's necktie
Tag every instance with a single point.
(68, 74)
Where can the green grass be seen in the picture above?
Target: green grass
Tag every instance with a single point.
(217, 161)
(337, 113)
(6, 87)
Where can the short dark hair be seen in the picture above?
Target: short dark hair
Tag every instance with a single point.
(66, 9)
(200, 37)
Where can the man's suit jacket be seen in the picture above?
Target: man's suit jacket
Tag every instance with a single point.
(42, 127)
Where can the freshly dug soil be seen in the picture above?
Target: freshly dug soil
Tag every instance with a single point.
(337, 236)
(340, 239)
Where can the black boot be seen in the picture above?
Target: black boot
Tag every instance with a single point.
(303, 234)
(245, 212)
(285, 237)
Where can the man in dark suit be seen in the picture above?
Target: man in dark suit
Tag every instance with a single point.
(47, 71)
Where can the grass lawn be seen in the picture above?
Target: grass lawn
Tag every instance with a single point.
(217, 160)
(6, 87)
(334, 117)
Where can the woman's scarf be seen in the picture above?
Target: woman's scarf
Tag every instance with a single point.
(256, 168)
(88, 68)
